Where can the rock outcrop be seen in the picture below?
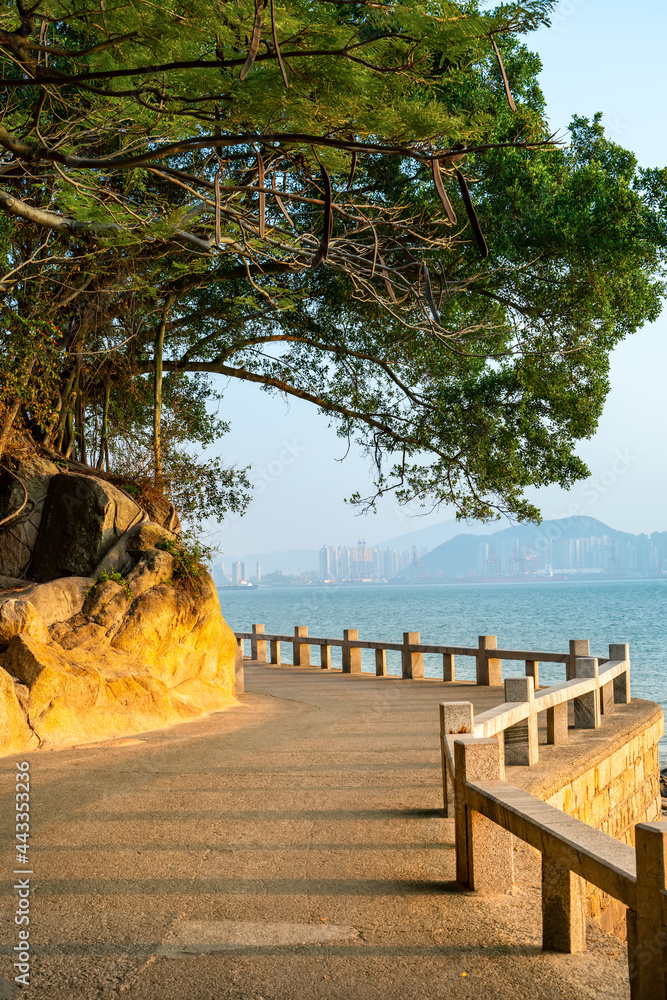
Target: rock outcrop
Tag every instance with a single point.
(97, 654)
(19, 537)
(83, 517)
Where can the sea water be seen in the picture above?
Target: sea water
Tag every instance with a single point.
(524, 616)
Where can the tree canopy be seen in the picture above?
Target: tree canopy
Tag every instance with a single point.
(356, 204)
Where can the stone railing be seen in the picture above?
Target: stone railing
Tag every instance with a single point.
(488, 812)
(594, 692)
(488, 658)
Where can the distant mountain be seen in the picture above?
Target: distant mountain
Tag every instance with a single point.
(435, 534)
(571, 545)
(298, 561)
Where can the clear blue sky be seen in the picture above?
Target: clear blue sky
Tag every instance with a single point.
(600, 55)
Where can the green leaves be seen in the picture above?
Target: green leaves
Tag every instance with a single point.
(202, 162)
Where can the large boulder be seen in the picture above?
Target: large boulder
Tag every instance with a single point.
(117, 665)
(83, 518)
(18, 616)
(18, 537)
(15, 732)
(58, 600)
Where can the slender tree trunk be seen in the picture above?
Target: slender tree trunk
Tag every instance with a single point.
(11, 411)
(67, 403)
(7, 423)
(157, 397)
(70, 439)
(104, 449)
(80, 422)
(68, 442)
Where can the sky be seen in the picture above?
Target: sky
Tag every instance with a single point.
(599, 55)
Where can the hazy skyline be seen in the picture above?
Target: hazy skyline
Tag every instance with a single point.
(595, 59)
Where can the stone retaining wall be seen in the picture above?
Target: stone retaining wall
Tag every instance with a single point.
(610, 779)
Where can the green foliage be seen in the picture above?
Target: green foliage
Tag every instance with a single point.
(190, 561)
(465, 379)
(115, 578)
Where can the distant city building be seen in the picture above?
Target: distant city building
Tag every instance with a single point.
(259, 572)
(238, 574)
(344, 562)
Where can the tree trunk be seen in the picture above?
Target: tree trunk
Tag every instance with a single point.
(157, 397)
(67, 403)
(12, 408)
(7, 423)
(80, 422)
(104, 449)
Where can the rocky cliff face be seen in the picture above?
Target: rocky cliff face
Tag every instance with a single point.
(84, 658)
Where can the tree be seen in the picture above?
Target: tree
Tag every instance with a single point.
(192, 238)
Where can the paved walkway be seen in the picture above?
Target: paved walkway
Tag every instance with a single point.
(288, 849)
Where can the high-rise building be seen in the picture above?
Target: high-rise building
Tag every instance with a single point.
(328, 567)
(259, 572)
(237, 573)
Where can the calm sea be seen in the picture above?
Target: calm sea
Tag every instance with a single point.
(523, 616)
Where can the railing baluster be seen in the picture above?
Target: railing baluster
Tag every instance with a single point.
(489, 670)
(563, 909)
(301, 657)
(351, 655)
(587, 706)
(621, 651)
(456, 718)
(647, 932)
(533, 670)
(521, 746)
(258, 646)
(412, 663)
(557, 724)
(578, 647)
(484, 855)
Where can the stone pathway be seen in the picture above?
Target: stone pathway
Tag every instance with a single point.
(288, 849)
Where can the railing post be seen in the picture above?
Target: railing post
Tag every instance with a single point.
(325, 657)
(258, 646)
(239, 680)
(563, 909)
(380, 662)
(557, 724)
(521, 746)
(607, 698)
(448, 667)
(275, 650)
(587, 707)
(351, 656)
(647, 933)
(489, 671)
(301, 654)
(484, 855)
(412, 664)
(621, 651)
(578, 647)
(533, 670)
(456, 717)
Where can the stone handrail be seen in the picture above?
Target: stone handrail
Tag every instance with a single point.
(486, 653)
(594, 693)
(489, 812)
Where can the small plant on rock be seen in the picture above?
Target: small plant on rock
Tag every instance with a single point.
(115, 578)
(190, 558)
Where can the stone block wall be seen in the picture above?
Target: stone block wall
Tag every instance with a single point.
(608, 778)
